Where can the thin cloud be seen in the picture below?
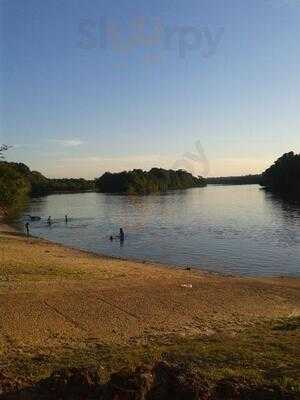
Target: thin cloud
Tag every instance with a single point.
(67, 142)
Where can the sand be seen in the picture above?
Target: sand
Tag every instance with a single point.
(52, 296)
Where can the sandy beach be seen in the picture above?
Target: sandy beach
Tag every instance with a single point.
(56, 299)
(94, 296)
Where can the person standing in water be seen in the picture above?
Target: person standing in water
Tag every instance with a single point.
(27, 228)
(49, 222)
(66, 218)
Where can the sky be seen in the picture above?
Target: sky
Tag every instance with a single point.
(89, 86)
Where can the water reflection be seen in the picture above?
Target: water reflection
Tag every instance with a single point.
(288, 213)
(230, 229)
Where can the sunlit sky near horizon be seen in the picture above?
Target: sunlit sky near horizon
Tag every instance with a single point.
(90, 86)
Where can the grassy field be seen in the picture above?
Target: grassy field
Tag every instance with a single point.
(61, 307)
(266, 353)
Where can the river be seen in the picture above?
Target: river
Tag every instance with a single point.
(227, 229)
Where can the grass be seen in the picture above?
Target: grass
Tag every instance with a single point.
(268, 352)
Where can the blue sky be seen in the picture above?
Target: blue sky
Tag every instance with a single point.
(89, 86)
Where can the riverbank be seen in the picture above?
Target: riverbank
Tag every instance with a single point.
(64, 307)
(4, 225)
(6, 228)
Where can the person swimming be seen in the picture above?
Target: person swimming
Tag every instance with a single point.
(121, 236)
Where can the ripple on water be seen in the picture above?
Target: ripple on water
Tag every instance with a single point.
(228, 229)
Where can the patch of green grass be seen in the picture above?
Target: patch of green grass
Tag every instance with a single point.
(260, 354)
(290, 324)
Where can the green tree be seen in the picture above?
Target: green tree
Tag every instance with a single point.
(14, 188)
(283, 176)
(138, 181)
(3, 148)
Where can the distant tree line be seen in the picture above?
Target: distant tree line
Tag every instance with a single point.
(144, 182)
(283, 177)
(40, 185)
(17, 182)
(235, 180)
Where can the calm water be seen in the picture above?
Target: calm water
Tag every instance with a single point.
(229, 229)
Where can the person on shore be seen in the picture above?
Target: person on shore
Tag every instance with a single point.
(49, 221)
(27, 228)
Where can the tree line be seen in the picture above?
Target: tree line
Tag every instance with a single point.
(235, 180)
(145, 182)
(39, 185)
(17, 181)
